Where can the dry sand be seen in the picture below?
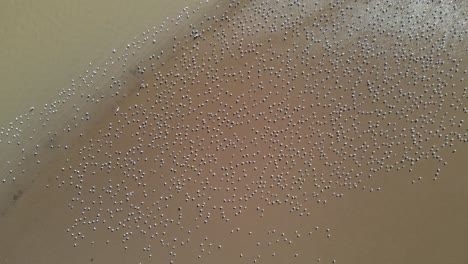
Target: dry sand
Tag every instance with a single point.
(261, 133)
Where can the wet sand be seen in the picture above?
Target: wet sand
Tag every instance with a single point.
(227, 144)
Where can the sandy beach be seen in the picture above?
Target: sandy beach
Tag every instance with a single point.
(237, 132)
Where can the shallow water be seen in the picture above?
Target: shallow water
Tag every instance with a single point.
(46, 44)
(292, 132)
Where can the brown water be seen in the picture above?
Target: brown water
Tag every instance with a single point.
(46, 44)
(201, 153)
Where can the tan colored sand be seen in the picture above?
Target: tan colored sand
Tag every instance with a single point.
(399, 223)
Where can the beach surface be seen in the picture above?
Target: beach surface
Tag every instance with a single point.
(233, 132)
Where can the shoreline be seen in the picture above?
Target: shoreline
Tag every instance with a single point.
(45, 131)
